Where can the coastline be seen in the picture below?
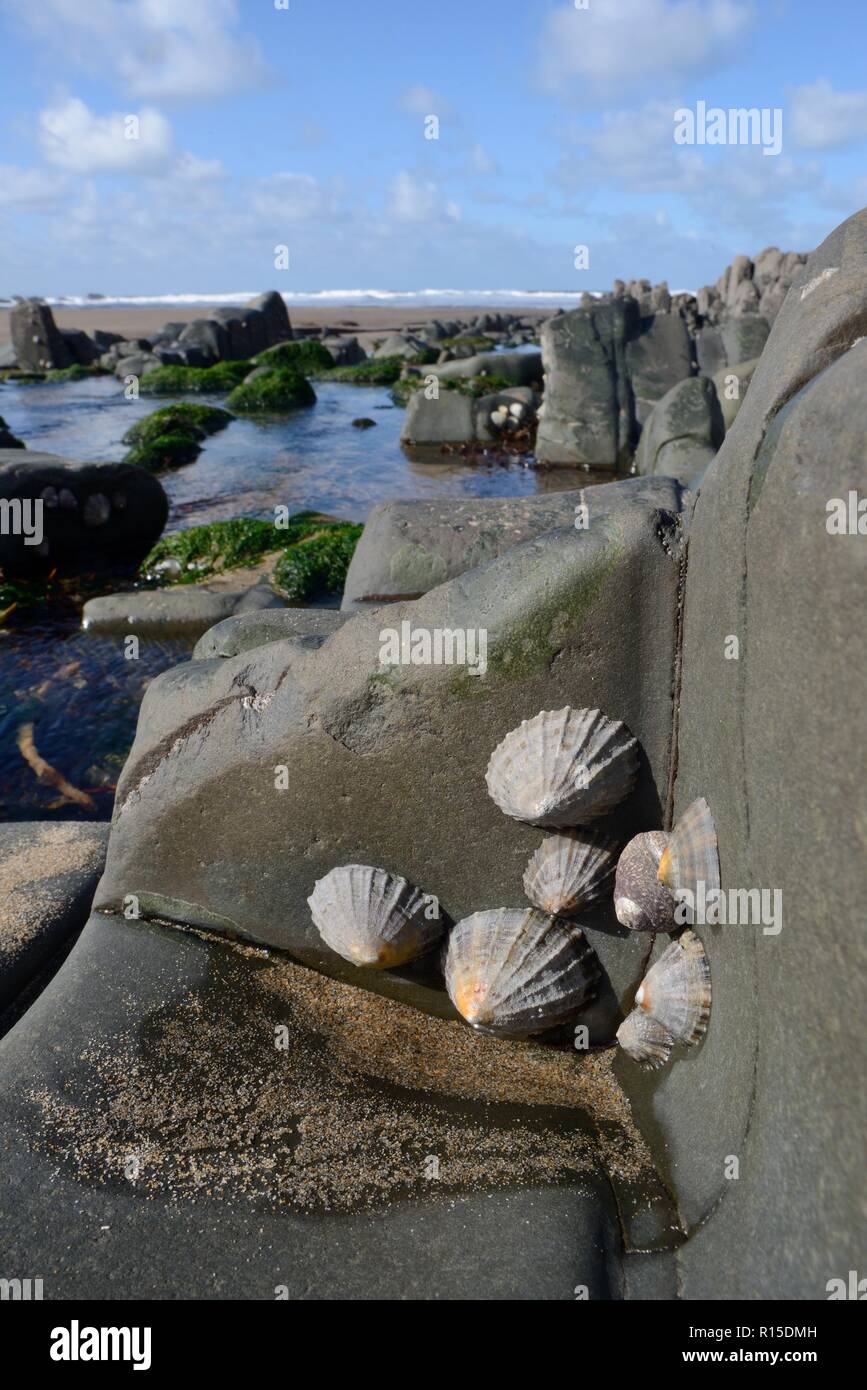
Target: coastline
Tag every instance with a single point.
(365, 321)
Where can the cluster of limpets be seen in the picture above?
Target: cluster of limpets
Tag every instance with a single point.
(517, 972)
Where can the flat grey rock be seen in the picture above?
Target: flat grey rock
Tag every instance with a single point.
(408, 548)
(187, 610)
(107, 1201)
(245, 631)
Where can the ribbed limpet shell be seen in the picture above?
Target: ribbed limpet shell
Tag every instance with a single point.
(691, 856)
(672, 1004)
(563, 767)
(374, 918)
(570, 870)
(516, 971)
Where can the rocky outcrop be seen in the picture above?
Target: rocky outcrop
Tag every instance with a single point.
(453, 417)
(345, 351)
(683, 432)
(400, 345)
(234, 334)
(731, 385)
(587, 414)
(82, 348)
(37, 342)
(729, 342)
(92, 514)
(569, 616)
(605, 366)
(752, 287)
(657, 358)
(737, 660)
(767, 733)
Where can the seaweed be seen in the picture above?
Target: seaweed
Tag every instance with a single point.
(179, 381)
(272, 393)
(200, 551)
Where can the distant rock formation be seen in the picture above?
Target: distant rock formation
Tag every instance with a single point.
(37, 342)
(751, 287)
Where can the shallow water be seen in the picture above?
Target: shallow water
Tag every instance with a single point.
(77, 690)
(311, 458)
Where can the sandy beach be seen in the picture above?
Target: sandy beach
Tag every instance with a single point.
(366, 321)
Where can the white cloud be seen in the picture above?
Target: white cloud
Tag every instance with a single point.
(74, 138)
(31, 190)
(733, 186)
(820, 118)
(159, 50)
(189, 166)
(287, 197)
(421, 100)
(609, 48)
(482, 162)
(412, 199)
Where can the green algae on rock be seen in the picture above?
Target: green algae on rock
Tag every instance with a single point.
(210, 549)
(307, 355)
(316, 550)
(77, 372)
(272, 392)
(178, 381)
(317, 563)
(172, 434)
(483, 385)
(375, 371)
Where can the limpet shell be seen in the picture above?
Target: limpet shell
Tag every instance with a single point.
(563, 767)
(516, 971)
(374, 918)
(570, 870)
(641, 902)
(647, 1041)
(672, 1004)
(691, 856)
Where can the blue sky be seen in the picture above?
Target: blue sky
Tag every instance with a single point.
(304, 126)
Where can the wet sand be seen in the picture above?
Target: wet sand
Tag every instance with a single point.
(277, 1085)
(364, 321)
